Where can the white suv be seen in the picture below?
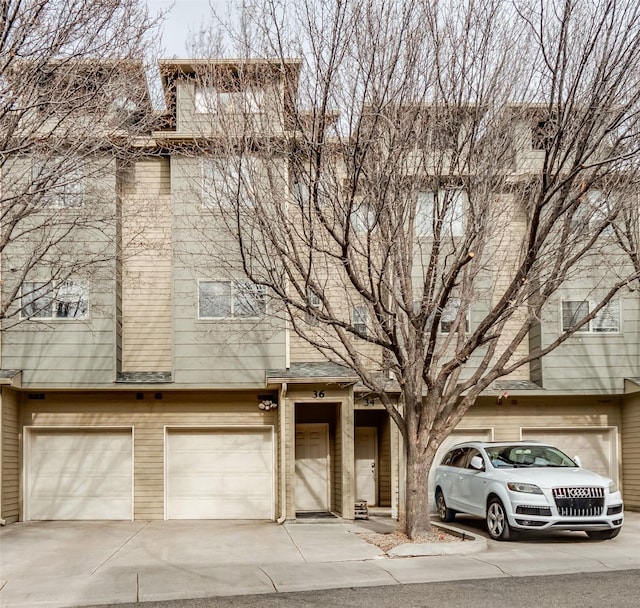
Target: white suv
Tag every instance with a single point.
(526, 486)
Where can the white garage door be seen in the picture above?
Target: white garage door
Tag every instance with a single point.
(595, 447)
(457, 436)
(79, 474)
(220, 474)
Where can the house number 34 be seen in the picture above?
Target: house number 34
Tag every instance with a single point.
(318, 394)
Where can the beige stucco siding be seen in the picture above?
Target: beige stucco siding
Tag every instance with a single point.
(10, 458)
(631, 451)
(148, 418)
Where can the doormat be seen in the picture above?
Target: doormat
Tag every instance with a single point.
(315, 515)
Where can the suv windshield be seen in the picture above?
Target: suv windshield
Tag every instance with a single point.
(511, 456)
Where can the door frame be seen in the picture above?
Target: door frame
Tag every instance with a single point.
(325, 427)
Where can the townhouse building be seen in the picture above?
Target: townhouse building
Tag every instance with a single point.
(161, 388)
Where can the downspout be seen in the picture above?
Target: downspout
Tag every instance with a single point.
(282, 413)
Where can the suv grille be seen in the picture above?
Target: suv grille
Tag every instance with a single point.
(579, 501)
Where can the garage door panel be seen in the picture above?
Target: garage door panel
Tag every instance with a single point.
(220, 474)
(69, 486)
(79, 474)
(595, 447)
(74, 508)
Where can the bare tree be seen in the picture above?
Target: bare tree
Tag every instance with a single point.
(437, 173)
(73, 100)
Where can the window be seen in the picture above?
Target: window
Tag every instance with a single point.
(230, 181)
(594, 210)
(542, 134)
(363, 218)
(315, 303)
(61, 181)
(606, 321)
(456, 458)
(209, 100)
(445, 134)
(61, 300)
(231, 299)
(359, 318)
(443, 210)
(449, 316)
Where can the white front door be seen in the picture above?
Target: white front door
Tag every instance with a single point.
(365, 451)
(312, 467)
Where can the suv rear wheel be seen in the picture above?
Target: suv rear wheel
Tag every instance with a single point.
(444, 512)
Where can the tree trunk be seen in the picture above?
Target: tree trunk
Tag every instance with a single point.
(417, 514)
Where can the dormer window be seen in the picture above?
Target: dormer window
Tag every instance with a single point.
(211, 100)
(542, 134)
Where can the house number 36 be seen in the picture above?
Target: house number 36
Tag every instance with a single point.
(318, 394)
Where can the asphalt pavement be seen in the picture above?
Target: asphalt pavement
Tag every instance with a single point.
(70, 564)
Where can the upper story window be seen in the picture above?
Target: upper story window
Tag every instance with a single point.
(230, 181)
(60, 181)
(449, 316)
(54, 300)
(211, 100)
(314, 303)
(363, 218)
(595, 209)
(360, 319)
(442, 211)
(231, 300)
(606, 321)
(444, 135)
(543, 133)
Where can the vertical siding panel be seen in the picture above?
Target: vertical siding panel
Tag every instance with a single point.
(10, 457)
(631, 452)
(146, 268)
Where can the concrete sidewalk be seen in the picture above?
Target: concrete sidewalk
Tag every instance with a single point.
(64, 564)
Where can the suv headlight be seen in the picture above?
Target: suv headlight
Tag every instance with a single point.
(613, 486)
(527, 488)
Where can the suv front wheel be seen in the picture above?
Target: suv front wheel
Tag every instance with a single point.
(497, 522)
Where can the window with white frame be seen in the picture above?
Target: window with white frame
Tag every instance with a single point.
(54, 300)
(450, 314)
(314, 303)
(211, 100)
(595, 208)
(231, 300)
(230, 181)
(607, 320)
(442, 211)
(360, 319)
(363, 218)
(60, 181)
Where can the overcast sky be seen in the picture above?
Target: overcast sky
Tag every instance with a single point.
(184, 19)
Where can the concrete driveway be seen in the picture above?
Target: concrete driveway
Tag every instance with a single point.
(61, 564)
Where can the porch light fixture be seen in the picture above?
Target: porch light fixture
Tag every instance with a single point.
(267, 402)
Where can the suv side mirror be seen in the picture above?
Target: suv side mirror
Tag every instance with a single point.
(477, 463)
(576, 459)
